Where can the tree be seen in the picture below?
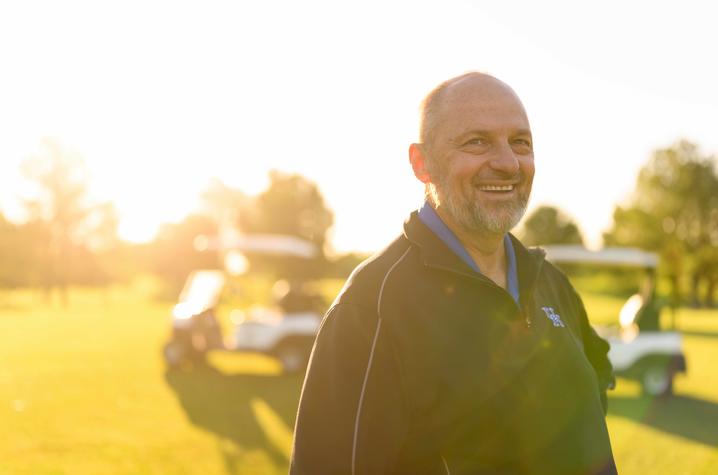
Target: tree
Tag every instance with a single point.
(290, 205)
(549, 225)
(62, 213)
(294, 206)
(674, 211)
(172, 255)
(224, 203)
(20, 253)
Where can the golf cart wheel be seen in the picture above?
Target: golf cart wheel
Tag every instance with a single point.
(293, 356)
(657, 380)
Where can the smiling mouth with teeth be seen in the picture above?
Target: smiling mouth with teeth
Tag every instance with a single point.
(500, 188)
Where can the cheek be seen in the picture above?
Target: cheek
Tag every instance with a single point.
(465, 167)
(528, 169)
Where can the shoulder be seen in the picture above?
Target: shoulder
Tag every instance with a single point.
(365, 283)
(554, 278)
(552, 273)
(354, 313)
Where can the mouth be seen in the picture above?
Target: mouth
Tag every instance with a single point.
(496, 188)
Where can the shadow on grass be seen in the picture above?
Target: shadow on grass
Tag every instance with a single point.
(701, 334)
(222, 404)
(694, 419)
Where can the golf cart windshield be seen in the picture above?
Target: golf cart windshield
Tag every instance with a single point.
(200, 293)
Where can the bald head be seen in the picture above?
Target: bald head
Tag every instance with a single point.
(454, 93)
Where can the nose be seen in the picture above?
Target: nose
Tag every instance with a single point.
(505, 161)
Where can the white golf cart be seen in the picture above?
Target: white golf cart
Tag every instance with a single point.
(640, 350)
(285, 331)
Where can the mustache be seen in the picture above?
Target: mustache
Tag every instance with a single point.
(516, 178)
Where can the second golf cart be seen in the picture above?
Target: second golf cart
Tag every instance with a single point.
(640, 350)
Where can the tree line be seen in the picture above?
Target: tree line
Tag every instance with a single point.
(69, 239)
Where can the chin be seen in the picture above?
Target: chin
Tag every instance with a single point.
(474, 214)
(496, 221)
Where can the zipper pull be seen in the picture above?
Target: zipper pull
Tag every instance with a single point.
(527, 319)
(526, 303)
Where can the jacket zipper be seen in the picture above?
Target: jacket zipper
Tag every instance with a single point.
(526, 316)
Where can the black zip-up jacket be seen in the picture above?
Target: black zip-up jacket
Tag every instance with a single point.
(423, 366)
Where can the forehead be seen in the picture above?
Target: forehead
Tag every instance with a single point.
(480, 104)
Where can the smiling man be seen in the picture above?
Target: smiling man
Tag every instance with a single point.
(456, 350)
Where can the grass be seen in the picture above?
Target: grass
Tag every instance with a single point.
(83, 390)
(676, 435)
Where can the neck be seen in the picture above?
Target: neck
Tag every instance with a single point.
(485, 248)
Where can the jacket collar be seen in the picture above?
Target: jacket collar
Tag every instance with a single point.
(435, 253)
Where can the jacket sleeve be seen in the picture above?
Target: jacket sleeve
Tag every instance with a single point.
(352, 415)
(596, 350)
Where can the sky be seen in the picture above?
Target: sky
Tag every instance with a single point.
(161, 97)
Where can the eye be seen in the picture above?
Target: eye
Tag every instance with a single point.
(476, 141)
(477, 144)
(522, 144)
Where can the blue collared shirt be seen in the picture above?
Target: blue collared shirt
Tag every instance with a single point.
(428, 216)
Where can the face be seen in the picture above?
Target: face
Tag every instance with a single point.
(480, 163)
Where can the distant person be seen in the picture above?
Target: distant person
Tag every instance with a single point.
(295, 299)
(456, 350)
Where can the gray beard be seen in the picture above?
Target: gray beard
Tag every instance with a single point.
(471, 216)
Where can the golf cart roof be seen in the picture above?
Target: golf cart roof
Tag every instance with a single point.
(271, 244)
(277, 244)
(610, 256)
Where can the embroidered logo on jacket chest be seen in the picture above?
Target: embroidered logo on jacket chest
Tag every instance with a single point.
(553, 316)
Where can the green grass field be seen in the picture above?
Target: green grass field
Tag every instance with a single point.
(83, 390)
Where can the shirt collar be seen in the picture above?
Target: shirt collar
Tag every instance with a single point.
(429, 216)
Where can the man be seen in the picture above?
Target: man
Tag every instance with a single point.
(457, 350)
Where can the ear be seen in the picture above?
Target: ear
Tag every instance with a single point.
(417, 157)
